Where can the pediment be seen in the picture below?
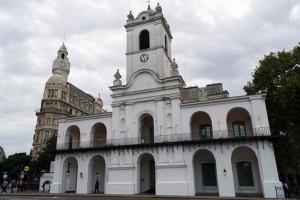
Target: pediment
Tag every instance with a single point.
(144, 80)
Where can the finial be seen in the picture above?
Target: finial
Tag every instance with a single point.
(98, 95)
(148, 4)
(158, 8)
(118, 76)
(174, 65)
(130, 16)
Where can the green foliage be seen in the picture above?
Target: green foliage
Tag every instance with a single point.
(278, 76)
(14, 164)
(42, 163)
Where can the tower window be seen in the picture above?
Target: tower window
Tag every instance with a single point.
(63, 56)
(166, 43)
(144, 40)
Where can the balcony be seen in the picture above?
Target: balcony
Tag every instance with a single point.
(52, 110)
(217, 136)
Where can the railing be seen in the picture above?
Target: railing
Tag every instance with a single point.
(62, 111)
(216, 135)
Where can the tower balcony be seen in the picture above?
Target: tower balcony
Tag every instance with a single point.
(53, 110)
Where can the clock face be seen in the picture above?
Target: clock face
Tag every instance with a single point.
(144, 57)
(62, 63)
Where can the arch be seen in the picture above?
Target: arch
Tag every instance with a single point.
(72, 137)
(245, 170)
(205, 174)
(146, 177)
(69, 175)
(239, 123)
(144, 39)
(146, 128)
(201, 126)
(96, 171)
(98, 135)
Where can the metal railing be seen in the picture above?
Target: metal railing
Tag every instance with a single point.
(222, 134)
(51, 109)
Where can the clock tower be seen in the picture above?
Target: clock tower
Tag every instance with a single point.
(148, 43)
(62, 62)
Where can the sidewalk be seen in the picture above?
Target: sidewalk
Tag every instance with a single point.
(136, 196)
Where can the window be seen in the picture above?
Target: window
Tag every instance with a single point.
(166, 43)
(209, 177)
(244, 172)
(46, 136)
(144, 40)
(239, 129)
(37, 137)
(205, 131)
(48, 120)
(52, 93)
(63, 95)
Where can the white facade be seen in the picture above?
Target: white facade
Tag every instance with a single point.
(163, 138)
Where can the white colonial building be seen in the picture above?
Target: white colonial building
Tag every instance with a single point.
(163, 137)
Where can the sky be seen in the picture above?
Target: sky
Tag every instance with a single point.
(215, 41)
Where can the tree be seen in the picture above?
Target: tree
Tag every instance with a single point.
(278, 76)
(14, 164)
(42, 163)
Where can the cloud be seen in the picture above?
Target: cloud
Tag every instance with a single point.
(214, 41)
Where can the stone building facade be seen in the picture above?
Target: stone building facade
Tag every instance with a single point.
(61, 99)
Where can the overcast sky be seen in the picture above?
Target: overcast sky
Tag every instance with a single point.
(213, 41)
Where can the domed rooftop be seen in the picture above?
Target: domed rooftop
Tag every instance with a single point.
(148, 12)
(57, 79)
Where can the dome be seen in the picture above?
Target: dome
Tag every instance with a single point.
(146, 13)
(57, 79)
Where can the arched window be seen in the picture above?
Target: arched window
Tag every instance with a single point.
(244, 172)
(166, 43)
(205, 131)
(144, 40)
(239, 129)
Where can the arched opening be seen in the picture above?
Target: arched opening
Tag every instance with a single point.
(246, 172)
(98, 135)
(205, 173)
(147, 180)
(69, 175)
(147, 129)
(72, 137)
(239, 123)
(144, 39)
(97, 170)
(201, 126)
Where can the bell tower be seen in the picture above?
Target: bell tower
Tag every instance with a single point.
(148, 43)
(62, 62)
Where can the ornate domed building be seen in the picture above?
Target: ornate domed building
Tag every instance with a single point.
(61, 100)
